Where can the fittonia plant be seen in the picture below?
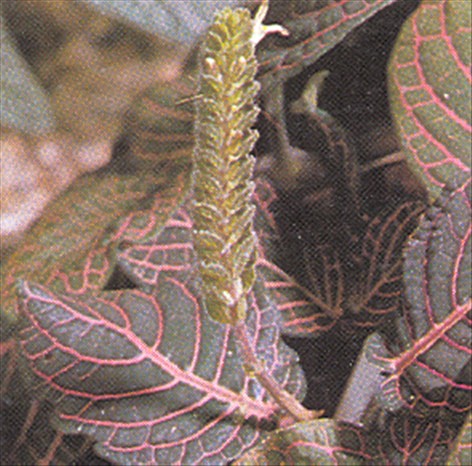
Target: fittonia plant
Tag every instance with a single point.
(157, 334)
(159, 377)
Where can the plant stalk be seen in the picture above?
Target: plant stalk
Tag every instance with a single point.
(285, 400)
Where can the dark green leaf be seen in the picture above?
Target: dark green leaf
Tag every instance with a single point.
(407, 440)
(152, 377)
(320, 442)
(430, 92)
(428, 361)
(315, 28)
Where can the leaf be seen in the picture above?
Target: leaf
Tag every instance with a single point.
(430, 92)
(161, 120)
(151, 377)
(23, 102)
(69, 248)
(428, 360)
(26, 436)
(461, 452)
(70, 227)
(378, 289)
(356, 284)
(315, 442)
(166, 17)
(407, 440)
(314, 30)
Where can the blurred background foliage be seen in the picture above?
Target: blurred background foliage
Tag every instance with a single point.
(70, 71)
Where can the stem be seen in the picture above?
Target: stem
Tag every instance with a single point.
(394, 157)
(284, 399)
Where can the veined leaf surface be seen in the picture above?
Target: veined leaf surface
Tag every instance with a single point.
(362, 290)
(68, 248)
(315, 442)
(153, 378)
(407, 440)
(72, 250)
(430, 91)
(26, 436)
(315, 29)
(429, 359)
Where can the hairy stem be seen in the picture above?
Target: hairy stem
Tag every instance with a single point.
(284, 399)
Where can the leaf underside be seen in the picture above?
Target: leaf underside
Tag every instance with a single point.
(361, 289)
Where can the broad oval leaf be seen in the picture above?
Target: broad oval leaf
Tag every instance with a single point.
(430, 91)
(315, 28)
(429, 359)
(152, 377)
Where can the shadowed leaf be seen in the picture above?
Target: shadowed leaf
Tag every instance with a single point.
(430, 91)
(378, 288)
(430, 358)
(320, 442)
(406, 440)
(315, 28)
(359, 286)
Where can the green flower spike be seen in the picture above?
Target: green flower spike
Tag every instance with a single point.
(222, 211)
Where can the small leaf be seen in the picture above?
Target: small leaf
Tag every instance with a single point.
(428, 361)
(320, 442)
(461, 453)
(312, 34)
(430, 92)
(378, 288)
(407, 440)
(357, 284)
